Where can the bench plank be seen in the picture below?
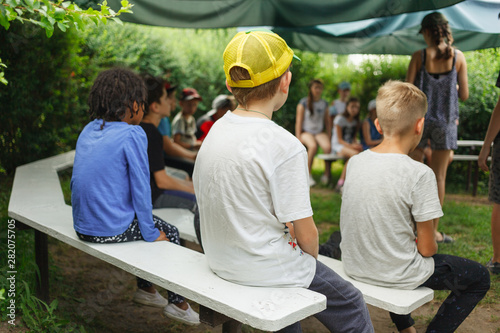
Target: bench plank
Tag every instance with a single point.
(330, 157)
(185, 272)
(182, 219)
(398, 301)
(37, 201)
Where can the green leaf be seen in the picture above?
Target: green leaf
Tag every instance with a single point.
(3, 20)
(66, 4)
(49, 32)
(12, 3)
(29, 4)
(59, 14)
(117, 20)
(95, 20)
(62, 26)
(104, 20)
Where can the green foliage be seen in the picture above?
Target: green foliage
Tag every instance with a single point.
(43, 112)
(39, 316)
(49, 14)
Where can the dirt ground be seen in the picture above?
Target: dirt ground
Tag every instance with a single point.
(99, 297)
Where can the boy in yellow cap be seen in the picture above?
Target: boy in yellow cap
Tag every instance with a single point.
(251, 180)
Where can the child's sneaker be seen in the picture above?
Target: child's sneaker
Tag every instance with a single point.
(188, 316)
(145, 298)
(493, 267)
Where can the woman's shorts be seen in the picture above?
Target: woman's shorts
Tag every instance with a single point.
(494, 192)
(441, 136)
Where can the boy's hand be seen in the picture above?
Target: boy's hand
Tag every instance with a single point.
(162, 237)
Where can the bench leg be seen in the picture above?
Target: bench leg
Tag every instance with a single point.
(467, 186)
(42, 261)
(213, 318)
(231, 326)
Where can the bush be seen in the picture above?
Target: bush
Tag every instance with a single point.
(41, 102)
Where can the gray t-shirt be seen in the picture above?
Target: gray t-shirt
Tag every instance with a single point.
(314, 123)
(384, 196)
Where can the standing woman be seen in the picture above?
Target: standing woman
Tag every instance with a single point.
(440, 71)
(312, 127)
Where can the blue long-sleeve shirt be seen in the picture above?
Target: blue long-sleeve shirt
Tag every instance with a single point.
(110, 182)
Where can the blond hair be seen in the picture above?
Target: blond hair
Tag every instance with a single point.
(399, 106)
(244, 96)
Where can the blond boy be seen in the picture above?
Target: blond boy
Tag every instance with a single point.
(387, 198)
(251, 178)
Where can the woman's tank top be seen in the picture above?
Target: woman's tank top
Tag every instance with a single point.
(441, 91)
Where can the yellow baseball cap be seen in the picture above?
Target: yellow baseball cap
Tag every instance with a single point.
(264, 54)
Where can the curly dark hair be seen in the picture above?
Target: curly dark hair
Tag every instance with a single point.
(114, 91)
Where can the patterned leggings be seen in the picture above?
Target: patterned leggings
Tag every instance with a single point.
(133, 233)
(468, 282)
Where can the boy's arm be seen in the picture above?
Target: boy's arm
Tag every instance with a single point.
(426, 241)
(165, 182)
(174, 149)
(306, 234)
(177, 140)
(493, 129)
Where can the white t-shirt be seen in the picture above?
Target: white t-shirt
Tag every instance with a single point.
(250, 178)
(315, 122)
(383, 196)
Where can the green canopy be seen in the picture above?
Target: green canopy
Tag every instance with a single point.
(282, 13)
(474, 23)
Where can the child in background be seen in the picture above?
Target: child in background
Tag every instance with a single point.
(184, 124)
(220, 105)
(345, 130)
(338, 105)
(492, 136)
(369, 135)
(251, 178)
(110, 192)
(166, 191)
(176, 156)
(312, 126)
(389, 202)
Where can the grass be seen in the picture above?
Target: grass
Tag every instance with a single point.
(466, 220)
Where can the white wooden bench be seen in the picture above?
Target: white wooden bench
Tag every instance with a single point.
(37, 201)
(332, 157)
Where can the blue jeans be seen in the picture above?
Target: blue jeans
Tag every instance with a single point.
(468, 282)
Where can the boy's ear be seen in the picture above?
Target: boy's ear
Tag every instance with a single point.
(377, 125)
(419, 126)
(228, 87)
(286, 79)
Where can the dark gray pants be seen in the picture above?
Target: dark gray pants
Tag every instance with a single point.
(346, 309)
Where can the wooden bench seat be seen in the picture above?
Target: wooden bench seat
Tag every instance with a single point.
(37, 201)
